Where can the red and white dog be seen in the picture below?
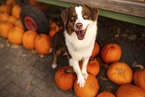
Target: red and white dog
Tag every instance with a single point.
(77, 38)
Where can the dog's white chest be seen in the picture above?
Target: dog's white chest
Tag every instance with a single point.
(80, 49)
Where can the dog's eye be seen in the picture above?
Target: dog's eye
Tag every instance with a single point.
(85, 16)
(72, 18)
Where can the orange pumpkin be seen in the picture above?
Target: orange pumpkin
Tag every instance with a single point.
(33, 2)
(4, 16)
(10, 2)
(105, 94)
(95, 50)
(129, 90)
(90, 88)
(54, 30)
(19, 24)
(16, 11)
(111, 53)
(5, 8)
(42, 44)
(120, 73)
(5, 27)
(15, 35)
(12, 19)
(29, 38)
(93, 67)
(139, 78)
(65, 78)
(53, 25)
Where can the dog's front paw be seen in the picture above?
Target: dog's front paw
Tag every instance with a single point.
(85, 75)
(81, 81)
(54, 66)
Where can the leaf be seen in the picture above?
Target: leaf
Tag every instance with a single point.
(28, 85)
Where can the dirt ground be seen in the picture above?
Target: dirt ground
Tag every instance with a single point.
(25, 73)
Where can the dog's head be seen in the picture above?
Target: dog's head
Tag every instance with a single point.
(77, 19)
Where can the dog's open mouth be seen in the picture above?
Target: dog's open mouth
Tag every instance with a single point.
(81, 34)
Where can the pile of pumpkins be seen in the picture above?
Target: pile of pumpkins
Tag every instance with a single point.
(118, 72)
(12, 29)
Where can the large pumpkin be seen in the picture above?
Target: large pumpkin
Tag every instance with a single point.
(16, 11)
(105, 94)
(42, 44)
(5, 27)
(15, 35)
(90, 88)
(4, 16)
(120, 73)
(93, 67)
(111, 53)
(65, 78)
(129, 90)
(95, 50)
(139, 78)
(29, 39)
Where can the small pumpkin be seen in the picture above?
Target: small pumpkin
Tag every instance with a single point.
(65, 77)
(11, 2)
(95, 50)
(139, 77)
(53, 25)
(12, 19)
(5, 8)
(33, 2)
(15, 35)
(42, 44)
(111, 53)
(29, 38)
(16, 11)
(93, 67)
(54, 30)
(105, 94)
(4, 16)
(129, 90)
(120, 73)
(90, 88)
(5, 27)
(19, 24)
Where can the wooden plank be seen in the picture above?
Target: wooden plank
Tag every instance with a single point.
(130, 7)
(110, 14)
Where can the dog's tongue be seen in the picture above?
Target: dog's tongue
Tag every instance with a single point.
(80, 34)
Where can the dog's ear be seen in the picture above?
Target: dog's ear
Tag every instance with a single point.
(93, 12)
(64, 16)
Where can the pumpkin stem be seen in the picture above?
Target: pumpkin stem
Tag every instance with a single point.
(140, 67)
(137, 65)
(112, 46)
(120, 70)
(29, 32)
(68, 71)
(39, 36)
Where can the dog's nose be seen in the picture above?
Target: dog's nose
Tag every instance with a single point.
(79, 25)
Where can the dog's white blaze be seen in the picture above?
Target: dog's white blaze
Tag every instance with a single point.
(80, 18)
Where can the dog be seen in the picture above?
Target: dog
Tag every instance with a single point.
(77, 38)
